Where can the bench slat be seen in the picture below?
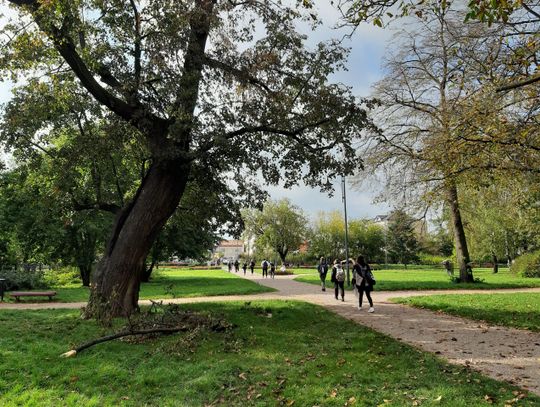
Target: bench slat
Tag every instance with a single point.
(32, 293)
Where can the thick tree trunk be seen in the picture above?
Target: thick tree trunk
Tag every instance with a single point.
(460, 242)
(116, 282)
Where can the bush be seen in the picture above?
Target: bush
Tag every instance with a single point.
(26, 278)
(431, 260)
(62, 276)
(527, 265)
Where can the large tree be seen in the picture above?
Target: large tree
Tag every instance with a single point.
(280, 226)
(419, 150)
(206, 84)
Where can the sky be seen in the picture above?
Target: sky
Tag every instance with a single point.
(368, 45)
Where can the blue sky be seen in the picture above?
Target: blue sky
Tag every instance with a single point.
(368, 45)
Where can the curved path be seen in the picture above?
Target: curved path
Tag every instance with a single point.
(502, 353)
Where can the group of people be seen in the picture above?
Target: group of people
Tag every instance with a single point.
(362, 281)
(236, 266)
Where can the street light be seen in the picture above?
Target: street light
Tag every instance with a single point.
(344, 199)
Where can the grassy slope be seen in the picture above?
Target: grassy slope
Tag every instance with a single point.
(519, 310)
(431, 279)
(301, 353)
(172, 283)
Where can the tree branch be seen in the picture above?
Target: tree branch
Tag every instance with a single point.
(518, 84)
(135, 113)
(239, 73)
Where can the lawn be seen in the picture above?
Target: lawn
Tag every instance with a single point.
(176, 283)
(437, 279)
(519, 310)
(278, 353)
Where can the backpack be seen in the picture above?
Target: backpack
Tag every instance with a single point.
(340, 275)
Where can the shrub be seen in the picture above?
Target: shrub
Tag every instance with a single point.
(62, 276)
(527, 265)
(431, 260)
(26, 278)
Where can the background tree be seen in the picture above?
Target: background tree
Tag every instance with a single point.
(280, 225)
(418, 151)
(402, 244)
(200, 110)
(367, 239)
(327, 236)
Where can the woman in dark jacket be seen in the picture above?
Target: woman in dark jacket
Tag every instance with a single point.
(363, 280)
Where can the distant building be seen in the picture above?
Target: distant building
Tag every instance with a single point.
(230, 249)
(381, 220)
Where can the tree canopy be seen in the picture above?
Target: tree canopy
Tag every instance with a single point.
(210, 89)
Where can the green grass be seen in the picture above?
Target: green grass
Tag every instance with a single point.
(278, 353)
(519, 310)
(437, 279)
(174, 283)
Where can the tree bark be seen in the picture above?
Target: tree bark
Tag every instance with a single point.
(495, 263)
(148, 271)
(116, 282)
(85, 271)
(460, 241)
(283, 255)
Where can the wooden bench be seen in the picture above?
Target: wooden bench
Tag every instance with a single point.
(18, 294)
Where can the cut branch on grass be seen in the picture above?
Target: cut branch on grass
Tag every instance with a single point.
(165, 331)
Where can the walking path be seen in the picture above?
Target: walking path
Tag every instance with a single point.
(502, 353)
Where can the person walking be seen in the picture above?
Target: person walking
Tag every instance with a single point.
(229, 265)
(283, 269)
(244, 267)
(236, 266)
(252, 265)
(363, 280)
(322, 268)
(338, 278)
(272, 269)
(264, 266)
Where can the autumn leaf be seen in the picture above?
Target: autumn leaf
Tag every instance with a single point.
(351, 401)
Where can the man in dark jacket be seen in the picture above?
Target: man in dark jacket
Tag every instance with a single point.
(322, 268)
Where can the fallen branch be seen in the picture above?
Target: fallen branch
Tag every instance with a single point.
(107, 338)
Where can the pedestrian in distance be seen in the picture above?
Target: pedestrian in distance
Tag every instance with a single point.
(338, 278)
(229, 265)
(272, 269)
(264, 266)
(283, 269)
(244, 267)
(322, 268)
(363, 281)
(236, 266)
(252, 265)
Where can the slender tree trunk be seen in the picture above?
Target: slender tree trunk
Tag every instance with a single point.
(460, 242)
(86, 271)
(148, 271)
(116, 282)
(282, 255)
(495, 263)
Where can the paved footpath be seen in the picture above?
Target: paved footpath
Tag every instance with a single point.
(502, 353)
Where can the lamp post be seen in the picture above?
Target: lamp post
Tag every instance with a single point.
(344, 199)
